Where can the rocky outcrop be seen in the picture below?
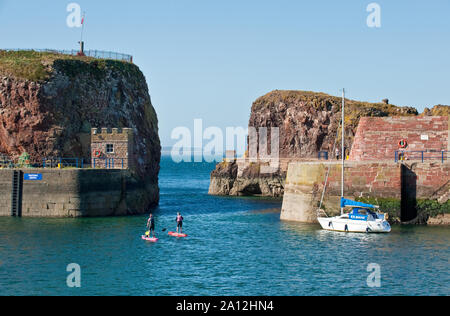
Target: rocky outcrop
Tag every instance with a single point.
(308, 122)
(241, 179)
(50, 102)
(437, 110)
(440, 220)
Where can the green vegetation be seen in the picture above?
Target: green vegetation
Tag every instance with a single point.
(324, 102)
(424, 208)
(96, 68)
(393, 207)
(432, 207)
(24, 161)
(35, 66)
(23, 65)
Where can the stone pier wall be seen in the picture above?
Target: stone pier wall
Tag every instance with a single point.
(377, 138)
(5, 192)
(79, 193)
(374, 180)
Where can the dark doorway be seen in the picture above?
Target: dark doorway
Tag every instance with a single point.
(409, 195)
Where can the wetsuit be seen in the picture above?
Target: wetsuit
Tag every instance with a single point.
(151, 223)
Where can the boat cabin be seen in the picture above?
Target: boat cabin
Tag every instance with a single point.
(364, 214)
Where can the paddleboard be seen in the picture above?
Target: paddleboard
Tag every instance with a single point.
(150, 239)
(173, 234)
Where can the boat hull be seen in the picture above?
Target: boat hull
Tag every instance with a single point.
(354, 226)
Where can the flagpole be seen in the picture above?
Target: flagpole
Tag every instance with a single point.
(343, 148)
(82, 26)
(82, 30)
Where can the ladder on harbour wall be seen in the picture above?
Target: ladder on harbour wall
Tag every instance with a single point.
(16, 194)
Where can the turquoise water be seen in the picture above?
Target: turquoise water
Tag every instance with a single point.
(237, 246)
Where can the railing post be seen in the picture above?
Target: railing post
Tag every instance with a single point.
(396, 156)
(94, 162)
(442, 156)
(422, 156)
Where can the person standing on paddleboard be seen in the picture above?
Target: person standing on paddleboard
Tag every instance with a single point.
(179, 223)
(151, 225)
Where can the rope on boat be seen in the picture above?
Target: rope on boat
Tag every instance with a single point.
(329, 168)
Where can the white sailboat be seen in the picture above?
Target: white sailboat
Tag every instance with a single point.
(364, 218)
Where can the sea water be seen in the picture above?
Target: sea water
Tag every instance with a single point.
(236, 246)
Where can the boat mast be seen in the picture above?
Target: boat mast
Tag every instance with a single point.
(343, 147)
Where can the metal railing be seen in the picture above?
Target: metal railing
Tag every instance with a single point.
(6, 162)
(90, 53)
(109, 163)
(421, 155)
(77, 163)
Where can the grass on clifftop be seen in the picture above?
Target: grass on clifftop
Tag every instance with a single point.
(36, 66)
(323, 101)
(438, 110)
(354, 109)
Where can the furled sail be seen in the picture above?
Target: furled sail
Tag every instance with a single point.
(350, 203)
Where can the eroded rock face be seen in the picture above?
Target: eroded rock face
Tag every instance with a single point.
(308, 122)
(437, 110)
(241, 179)
(443, 219)
(53, 117)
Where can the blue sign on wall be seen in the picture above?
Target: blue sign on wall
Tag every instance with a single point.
(32, 176)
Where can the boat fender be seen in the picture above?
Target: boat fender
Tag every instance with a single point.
(330, 224)
(346, 228)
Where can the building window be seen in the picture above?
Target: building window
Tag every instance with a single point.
(110, 148)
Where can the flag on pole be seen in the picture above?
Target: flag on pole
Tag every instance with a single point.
(82, 19)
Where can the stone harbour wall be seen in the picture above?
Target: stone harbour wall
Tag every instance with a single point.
(377, 138)
(78, 193)
(402, 183)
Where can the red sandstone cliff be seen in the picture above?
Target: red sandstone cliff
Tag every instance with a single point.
(49, 103)
(307, 123)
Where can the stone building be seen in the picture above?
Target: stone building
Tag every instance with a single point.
(112, 148)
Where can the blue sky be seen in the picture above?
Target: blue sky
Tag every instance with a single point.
(212, 59)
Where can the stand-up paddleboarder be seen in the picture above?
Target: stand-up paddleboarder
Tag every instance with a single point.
(179, 223)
